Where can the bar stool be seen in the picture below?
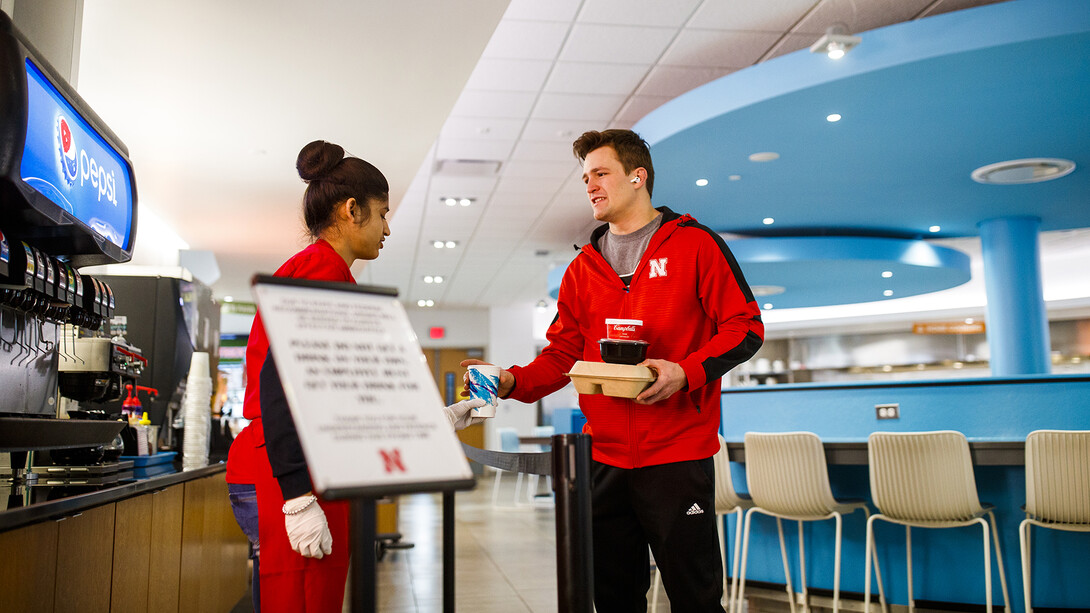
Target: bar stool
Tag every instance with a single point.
(727, 500)
(925, 480)
(788, 479)
(1057, 488)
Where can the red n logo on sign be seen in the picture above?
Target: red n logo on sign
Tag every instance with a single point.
(391, 460)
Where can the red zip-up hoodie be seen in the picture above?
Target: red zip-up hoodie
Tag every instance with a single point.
(697, 311)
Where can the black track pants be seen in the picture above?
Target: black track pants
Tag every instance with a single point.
(671, 508)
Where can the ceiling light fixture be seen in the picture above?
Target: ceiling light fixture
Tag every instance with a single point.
(433, 279)
(425, 303)
(764, 156)
(452, 201)
(833, 118)
(835, 42)
(701, 182)
(767, 306)
(734, 178)
(444, 244)
(887, 274)
(228, 298)
(888, 292)
(934, 229)
(1028, 170)
(542, 305)
(768, 221)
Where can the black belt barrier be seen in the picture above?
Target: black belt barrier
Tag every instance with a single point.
(569, 465)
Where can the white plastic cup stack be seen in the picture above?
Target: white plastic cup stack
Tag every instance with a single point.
(197, 413)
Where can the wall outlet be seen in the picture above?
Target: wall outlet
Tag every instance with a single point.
(888, 411)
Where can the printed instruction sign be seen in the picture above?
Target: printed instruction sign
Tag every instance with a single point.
(365, 405)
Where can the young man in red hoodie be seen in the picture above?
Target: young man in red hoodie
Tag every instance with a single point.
(653, 481)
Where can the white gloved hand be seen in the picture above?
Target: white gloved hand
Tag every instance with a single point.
(460, 414)
(308, 531)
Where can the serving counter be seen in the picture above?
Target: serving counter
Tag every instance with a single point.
(995, 414)
(165, 543)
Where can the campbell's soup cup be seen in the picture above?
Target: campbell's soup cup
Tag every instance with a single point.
(624, 329)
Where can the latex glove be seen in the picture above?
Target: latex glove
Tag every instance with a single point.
(460, 414)
(308, 531)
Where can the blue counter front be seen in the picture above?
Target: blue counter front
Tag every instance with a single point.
(947, 564)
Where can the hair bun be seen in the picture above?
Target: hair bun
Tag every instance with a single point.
(317, 159)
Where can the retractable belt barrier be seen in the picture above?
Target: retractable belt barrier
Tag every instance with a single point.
(569, 465)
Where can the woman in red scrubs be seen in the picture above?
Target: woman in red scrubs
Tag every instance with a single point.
(301, 540)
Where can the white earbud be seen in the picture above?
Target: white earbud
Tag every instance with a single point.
(636, 180)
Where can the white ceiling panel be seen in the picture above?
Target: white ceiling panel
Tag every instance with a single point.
(859, 16)
(475, 149)
(510, 105)
(509, 75)
(718, 48)
(470, 187)
(481, 127)
(638, 106)
(945, 6)
(599, 78)
(775, 16)
(637, 12)
(553, 10)
(566, 130)
(672, 81)
(542, 150)
(577, 106)
(520, 199)
(557, 170)
(548, 185)
(526, 40)
(791, 43)
(621, 44)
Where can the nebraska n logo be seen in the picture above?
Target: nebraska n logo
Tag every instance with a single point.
(391, 460)
(658, 268)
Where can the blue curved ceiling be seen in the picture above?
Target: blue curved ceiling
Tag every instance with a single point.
(923, 104)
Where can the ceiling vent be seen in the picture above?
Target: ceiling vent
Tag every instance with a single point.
(1030, 170)
(467, 168)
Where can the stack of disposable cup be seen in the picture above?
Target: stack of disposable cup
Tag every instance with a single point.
(197, 413)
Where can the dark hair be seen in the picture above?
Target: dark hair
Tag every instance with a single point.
(333, 178)
(632, 150)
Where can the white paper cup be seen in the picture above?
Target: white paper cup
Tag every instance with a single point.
(484, 383)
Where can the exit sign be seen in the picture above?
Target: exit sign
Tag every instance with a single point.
(437, 332)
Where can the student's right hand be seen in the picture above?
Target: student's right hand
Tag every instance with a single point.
(507, 380)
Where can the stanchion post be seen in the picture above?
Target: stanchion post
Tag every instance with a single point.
(448, 552)
(574, 553)
(364, 564)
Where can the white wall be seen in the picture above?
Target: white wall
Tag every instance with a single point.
(464, 327)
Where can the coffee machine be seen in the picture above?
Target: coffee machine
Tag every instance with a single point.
(67, 200)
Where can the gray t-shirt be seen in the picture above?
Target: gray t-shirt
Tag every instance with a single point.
(624, 251)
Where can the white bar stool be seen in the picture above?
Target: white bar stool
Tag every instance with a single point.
(925, 480)
(1057, 489)
(788, 479)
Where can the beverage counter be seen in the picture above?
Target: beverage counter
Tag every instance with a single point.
(165, 543)
(995, 414)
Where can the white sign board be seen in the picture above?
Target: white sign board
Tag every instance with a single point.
(365, 405)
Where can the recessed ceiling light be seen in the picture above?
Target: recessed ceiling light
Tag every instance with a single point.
(228, 298)
(437, 279)
(767, 306)
(764, 156)
(429, 279)
(835, 42)
(701, 182)
(465, 201)
(734, 178)
(833, 118)
(1029, 170)
(887, 274)
(425, 303)
(768, 221)
(888, 292)
(451, 244)
(934, 229)
(450, 201)
(444, 244)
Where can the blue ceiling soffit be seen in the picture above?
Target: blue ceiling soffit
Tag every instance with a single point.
(789, 272)
(923, 104)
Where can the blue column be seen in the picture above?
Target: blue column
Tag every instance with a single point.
(1017, 324)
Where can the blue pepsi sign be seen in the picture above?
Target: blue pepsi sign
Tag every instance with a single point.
(68, 162)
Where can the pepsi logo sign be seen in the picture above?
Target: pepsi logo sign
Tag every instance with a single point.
(83, 166)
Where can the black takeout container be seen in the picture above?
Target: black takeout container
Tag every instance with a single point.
(623, 352)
